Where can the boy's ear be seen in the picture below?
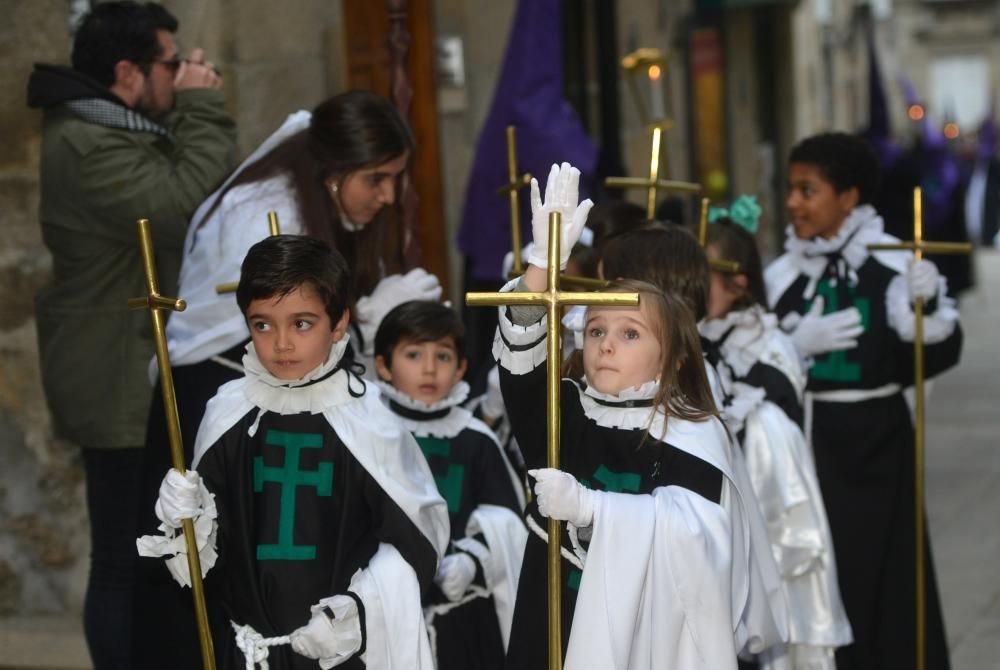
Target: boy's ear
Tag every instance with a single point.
(382, 370)
(463, 365)
(341, 326)
(849, 199)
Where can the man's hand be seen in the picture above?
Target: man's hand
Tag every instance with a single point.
(194, 72)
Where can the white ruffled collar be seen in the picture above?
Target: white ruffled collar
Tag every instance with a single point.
(746, 334)
(323, 387)
(628, 409)
(863, 226)
(444, 418)
(456, 396)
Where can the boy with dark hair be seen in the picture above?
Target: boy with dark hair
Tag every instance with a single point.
(318, 512)
(420, 356)
(850, 313)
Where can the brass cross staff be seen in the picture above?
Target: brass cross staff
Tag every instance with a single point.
(653, 183)
(553, 299)
(513, 185)
(272, 224)
(720, 264)
(919, 246)
(157, 304)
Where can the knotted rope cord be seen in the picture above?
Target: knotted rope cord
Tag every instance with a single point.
(255, 647)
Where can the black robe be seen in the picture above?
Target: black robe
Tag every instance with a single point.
(470, 470)
(602, 458)
(863, 446)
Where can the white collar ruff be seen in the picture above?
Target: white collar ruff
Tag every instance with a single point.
(748, 333)
(627, 410)
(863, 226)
(445, 418)
(323, 387)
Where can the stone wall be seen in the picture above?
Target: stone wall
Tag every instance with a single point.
(43, 526)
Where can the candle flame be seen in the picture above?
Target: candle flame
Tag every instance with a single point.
(654, 72)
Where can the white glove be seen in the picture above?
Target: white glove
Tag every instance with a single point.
(330, 641)
(818, 333)
(922, 279)
(561, 195)
(493, 407)
(180, 498)
(744, 400)
(563, 498)
(575, 320)
(455, 575)
(417, 284)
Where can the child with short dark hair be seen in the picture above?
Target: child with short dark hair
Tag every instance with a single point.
(762, 382)
(317, 512)
(420, 356)
(850, 313)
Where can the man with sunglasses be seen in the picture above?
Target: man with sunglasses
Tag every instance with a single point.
(129, 131)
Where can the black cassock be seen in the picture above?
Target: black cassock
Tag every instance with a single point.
(862, 435)
(300, 511)
(471, 471)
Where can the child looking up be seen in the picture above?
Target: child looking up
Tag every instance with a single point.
(420, 355)
(762, 382)
(321, 509)
(658, 568)
(850, 313)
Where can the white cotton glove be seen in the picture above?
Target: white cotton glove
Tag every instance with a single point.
(492, 406)
(330, 641)
(817, 333)
(563, 498)
(180, 498)
(417, 284)
(561, 195)
(455, 575)
(922, 279)
(575, 320)
(744, 400)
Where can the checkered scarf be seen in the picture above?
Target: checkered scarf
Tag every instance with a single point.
(112, 115)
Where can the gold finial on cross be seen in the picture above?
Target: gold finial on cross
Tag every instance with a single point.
(157, 304)
(275, 230)
(553, 299)
(514, 184)
(653, 183)
(719, 264)
(919, 247)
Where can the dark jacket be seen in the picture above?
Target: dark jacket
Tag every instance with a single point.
(95, 182)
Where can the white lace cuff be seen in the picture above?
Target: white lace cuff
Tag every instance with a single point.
(172, 544)
(519, 349)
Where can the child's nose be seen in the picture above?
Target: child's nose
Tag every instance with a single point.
(387, 191)
(282, 342)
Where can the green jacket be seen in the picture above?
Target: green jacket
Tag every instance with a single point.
(95, 182)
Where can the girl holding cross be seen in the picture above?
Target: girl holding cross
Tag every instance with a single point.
(658, 565)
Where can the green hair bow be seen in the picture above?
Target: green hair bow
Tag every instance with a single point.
(744, 212)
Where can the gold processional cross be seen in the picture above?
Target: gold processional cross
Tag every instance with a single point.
(720, 264)
(919, 247)
(653, 184)
(272, 223)
(157, 304)
(514, 184)
(553, 299)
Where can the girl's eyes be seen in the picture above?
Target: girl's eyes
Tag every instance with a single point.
(595, 332)
(631, 334)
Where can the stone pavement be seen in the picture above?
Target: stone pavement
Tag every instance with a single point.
(963, 502)
(963, 479)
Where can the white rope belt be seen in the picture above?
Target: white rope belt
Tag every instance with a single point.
(843, 395)
(256, 647)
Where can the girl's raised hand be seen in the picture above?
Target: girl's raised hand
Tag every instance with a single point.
(561, 195)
